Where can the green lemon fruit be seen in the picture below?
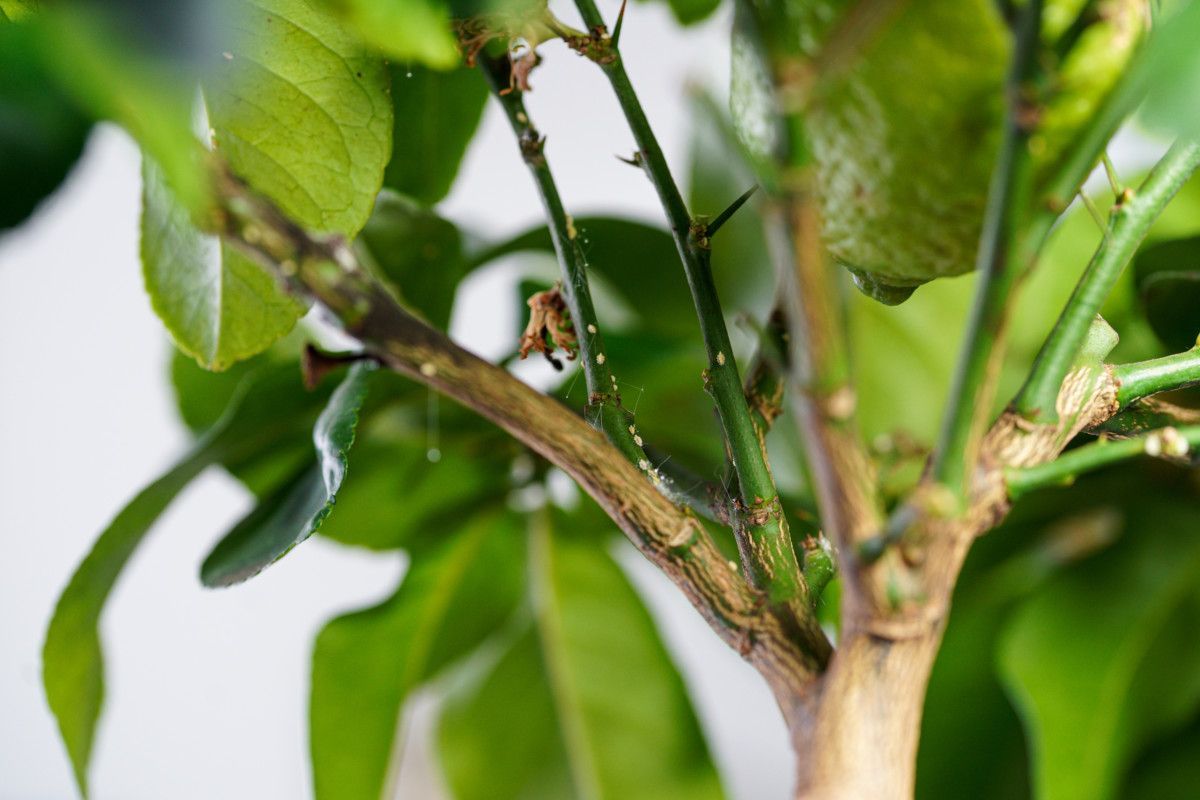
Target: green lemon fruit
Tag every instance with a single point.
(904, 129)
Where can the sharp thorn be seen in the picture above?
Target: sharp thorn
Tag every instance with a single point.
(724, 216)
(616, 36)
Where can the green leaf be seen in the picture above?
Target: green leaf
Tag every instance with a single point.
(16, 9)
(635, 262)
(41, 132)
(620, 710)
(418, 253)
(366, 664)
(218, 305)
(501, 740)
(436, 114)
(255, 419)
(1094, 661)
(982, 754)
(1167, 773)
(301, 111)
(1174, 73)
(408, 30)
(286, 411)
(400, 498)
(113, 73)
(1167, 274)
(689, 12)
(72, 661)
(915, 345)
(294, 512)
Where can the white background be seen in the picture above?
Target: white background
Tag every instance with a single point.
(207, 689)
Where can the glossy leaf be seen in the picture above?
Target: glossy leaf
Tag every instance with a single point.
(295, 511)
(621, 714)
(218, 305)
(277, 396)
(418, 253)
(1084, 659)
(41, 131)
(301, 111)
(366, 664)
(72, 661)
(408, 30)
(260, 413)
(436, 114)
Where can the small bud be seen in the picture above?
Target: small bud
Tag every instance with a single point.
(720, 359)
(428, 369)
(600, 359)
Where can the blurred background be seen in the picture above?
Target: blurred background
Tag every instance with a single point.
(207, 690)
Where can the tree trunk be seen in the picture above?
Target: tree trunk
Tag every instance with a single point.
(857, 740)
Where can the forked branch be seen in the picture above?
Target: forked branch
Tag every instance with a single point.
(325, 270)
(761, 528)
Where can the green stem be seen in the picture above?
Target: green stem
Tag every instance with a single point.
(1006, 245)
(763, 534)
(1127, 227)
(1063, 470)
(1145, 378)
(604, 404)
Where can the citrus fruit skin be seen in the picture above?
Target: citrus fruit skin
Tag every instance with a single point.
(904, 135)
(904, 144)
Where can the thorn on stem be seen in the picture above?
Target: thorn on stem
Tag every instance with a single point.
(315, 364)
(724, 216)
(634, 161)
(1094, 212)
(616, 35)
(1114, 182)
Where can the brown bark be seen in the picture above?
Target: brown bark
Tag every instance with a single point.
(787, 655)
(858, 732)
(855, 715)
(859, 740)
